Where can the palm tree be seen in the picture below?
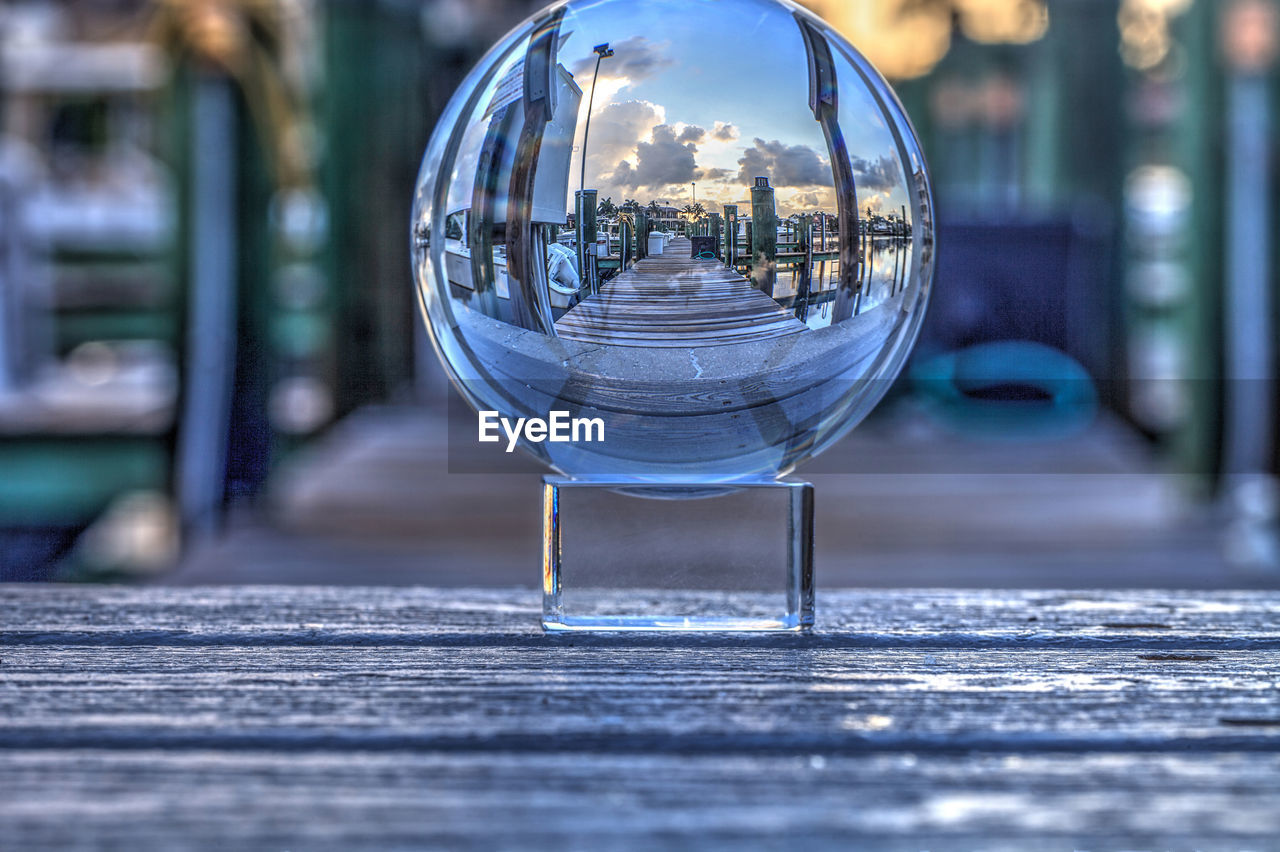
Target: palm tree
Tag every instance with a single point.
(698, 210)
(631, 205)
(607, 209)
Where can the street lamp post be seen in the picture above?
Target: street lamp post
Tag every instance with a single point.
(602, 52)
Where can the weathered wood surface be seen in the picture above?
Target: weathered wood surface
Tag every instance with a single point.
(260, 717)
(675, 300)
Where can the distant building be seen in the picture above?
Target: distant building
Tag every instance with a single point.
(667, 218)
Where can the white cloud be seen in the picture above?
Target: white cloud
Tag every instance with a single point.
(666, 158)
(724, 132)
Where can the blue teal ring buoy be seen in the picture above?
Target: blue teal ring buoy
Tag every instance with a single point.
(945, 383)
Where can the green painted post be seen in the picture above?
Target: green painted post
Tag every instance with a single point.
(1193, 139)
(764, 236)
(589, 233)
(374, 117)
(730, 234)
(590, 228)
(642, 235)
(624, 244)
(713, 225)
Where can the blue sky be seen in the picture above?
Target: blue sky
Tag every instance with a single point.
(715, 90)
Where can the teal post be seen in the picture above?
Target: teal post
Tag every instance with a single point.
(730, 234)
(587, 237)
(642, 235)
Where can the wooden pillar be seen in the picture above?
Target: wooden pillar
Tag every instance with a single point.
(730, 234)
(714, 226)
(624, 244)
(214, 251)
(642, 235)
(764, 236)
(586, 218)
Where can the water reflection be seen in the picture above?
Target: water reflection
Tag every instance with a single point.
(885, 275)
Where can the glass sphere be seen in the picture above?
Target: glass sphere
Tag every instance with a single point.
(704, 224)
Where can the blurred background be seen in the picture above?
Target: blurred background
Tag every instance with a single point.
(212, 369)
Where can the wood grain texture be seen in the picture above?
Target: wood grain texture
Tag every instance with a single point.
(261, 717)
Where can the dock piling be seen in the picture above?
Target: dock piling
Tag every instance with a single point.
(731, 235)
(764, 236)
(586, 235)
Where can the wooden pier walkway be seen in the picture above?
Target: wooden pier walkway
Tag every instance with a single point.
(673, 300)
(264, 718)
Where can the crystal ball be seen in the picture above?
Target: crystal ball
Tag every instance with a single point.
(702, 230)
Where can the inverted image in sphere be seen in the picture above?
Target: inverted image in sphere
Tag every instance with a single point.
(705, 225)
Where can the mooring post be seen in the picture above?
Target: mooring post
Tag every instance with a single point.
(624, 244)
(587, 237)
(764, 237)
(730, 235)
(642, 235)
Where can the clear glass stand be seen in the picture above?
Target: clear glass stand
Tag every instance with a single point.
(687, 557)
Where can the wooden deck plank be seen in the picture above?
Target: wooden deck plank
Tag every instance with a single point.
(269, 717)
(249, 799)
(673, 300)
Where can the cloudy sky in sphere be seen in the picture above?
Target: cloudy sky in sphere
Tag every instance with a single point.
(717, 93)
